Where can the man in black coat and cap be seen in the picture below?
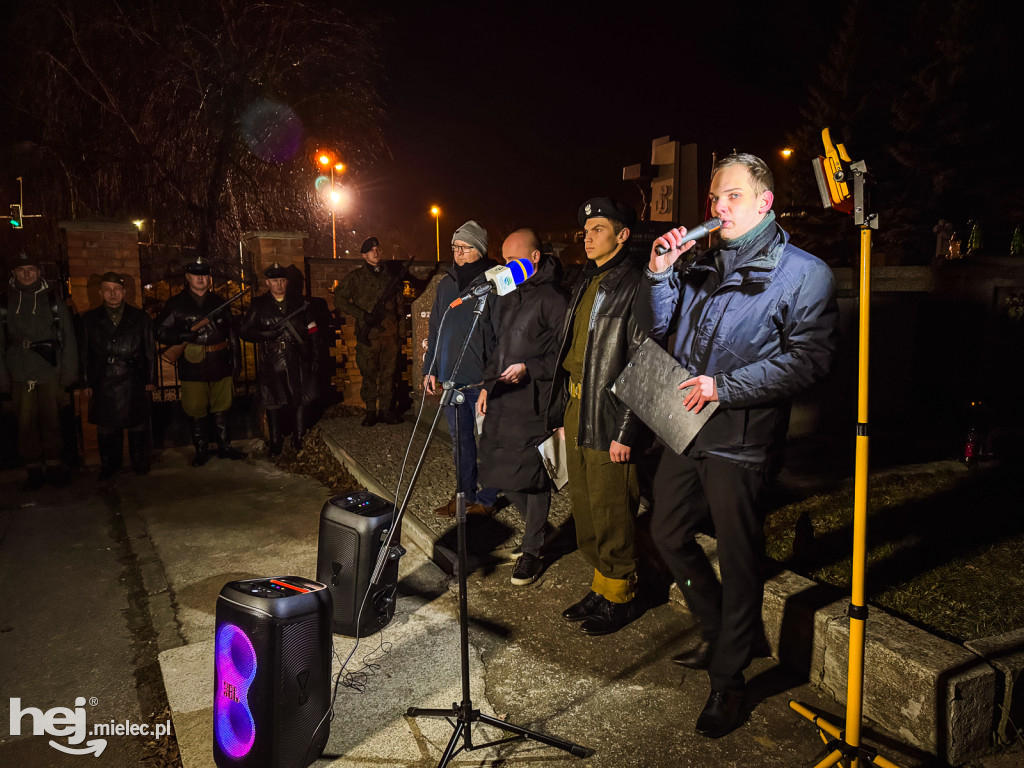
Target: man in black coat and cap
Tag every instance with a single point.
(118, 374)
(283, 327)
(206, 368)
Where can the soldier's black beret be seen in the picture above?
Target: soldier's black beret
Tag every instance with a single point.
(369, 244)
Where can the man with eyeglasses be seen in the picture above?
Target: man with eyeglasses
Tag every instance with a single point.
(469, 250)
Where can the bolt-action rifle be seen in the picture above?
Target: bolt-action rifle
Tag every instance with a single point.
(173, 352)
(374, 317)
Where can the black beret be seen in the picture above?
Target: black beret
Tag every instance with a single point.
(606, 208)
(275, 270)
(112, 277)
(369, 244)
(198, 267)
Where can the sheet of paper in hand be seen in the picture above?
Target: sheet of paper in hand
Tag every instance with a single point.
(649, 386)
(552, 453)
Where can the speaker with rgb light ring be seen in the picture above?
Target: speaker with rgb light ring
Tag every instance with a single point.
(272, 673)
(353, 526)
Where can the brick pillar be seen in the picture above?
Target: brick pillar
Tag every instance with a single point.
(286, 248)
(95, 247)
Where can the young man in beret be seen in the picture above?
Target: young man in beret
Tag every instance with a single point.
(118, 375)
(598, 338)
(373, 296)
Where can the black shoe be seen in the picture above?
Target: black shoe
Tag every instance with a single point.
(697, 657)
(35, 480)
(369, 419)
(390, 417)
(224, 449)
(526, 570)
(200, 441)
(584, 608)
(722, 713)
(58, 476)
(609, 617)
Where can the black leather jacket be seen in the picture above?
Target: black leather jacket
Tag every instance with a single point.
(117, 363)
(613, 338)
(172, 326)
(286, 363)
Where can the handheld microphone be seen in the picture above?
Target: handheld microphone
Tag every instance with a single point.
(502, 279)
(701, 230)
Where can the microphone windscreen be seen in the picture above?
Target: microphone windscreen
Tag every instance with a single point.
(522, 269)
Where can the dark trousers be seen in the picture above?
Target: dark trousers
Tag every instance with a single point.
(466, 454)
(534, 509)
(39, 434)
(377, 362)
(686, 493)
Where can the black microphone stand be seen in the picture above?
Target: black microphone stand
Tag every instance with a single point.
(462, 716)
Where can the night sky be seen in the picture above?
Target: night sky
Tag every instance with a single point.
(516, 116)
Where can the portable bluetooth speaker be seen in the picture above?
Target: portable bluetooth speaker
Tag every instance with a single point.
(272, 673)
(353, 526)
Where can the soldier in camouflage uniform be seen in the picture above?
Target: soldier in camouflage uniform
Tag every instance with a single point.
(380, 327)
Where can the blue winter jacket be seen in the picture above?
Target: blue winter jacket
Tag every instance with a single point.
(766, 332)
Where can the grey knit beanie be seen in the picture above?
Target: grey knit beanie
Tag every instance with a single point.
(473, 233)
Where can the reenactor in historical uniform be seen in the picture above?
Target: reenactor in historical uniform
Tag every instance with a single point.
(372, 294)
(208, 362)
(284, 328)
(118, 374)
(38, 362)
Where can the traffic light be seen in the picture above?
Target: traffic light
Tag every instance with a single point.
(16, 216)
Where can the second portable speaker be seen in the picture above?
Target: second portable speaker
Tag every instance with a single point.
(353, 526)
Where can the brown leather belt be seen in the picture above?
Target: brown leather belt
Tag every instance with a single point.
(216, 347)
(575, 390)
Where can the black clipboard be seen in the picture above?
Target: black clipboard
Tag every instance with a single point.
(649, 387)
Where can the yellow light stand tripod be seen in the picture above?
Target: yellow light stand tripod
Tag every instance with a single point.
(835, 173)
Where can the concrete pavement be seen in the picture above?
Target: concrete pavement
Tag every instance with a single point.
(189, 531)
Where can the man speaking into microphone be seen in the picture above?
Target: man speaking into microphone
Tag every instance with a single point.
(755, 321)
(469, 251)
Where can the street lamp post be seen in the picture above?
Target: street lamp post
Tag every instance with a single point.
(325, 158)
(436, 213)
